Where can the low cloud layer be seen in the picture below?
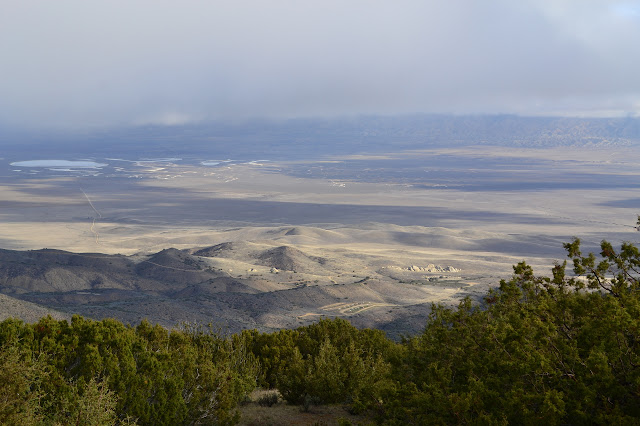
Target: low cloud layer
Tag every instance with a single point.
(79, 63)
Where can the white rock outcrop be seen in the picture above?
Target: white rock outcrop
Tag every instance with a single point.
(430, 268)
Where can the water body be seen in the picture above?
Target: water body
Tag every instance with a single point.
(214, 162)
(65, 164)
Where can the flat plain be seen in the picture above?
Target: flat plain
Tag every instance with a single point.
(375, 238)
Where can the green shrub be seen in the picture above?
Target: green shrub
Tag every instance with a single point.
(147, 373)
(554, 350)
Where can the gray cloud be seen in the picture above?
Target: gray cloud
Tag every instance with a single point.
(78, 63)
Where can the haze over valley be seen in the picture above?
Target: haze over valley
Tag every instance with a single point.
(374, 233)
(265, 165)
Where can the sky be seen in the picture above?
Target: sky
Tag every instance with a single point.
(76, 64)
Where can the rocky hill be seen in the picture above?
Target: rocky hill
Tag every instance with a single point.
(234, 285)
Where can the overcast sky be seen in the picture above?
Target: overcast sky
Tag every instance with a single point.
(87, 63)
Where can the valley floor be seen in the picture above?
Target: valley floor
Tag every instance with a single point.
(269, 245)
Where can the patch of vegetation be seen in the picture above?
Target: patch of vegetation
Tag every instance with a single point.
(107, 372)
(551, 350)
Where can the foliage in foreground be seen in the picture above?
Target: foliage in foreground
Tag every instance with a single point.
(559, 350)
(103, 372)
(327, 362)
(544, 349)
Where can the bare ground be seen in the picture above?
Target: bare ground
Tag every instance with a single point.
(284, 250)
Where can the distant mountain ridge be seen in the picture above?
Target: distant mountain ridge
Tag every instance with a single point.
(299, 138)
